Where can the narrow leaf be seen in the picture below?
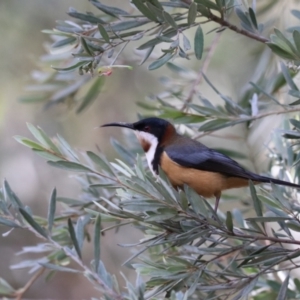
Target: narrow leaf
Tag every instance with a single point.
(51, 211)
(33, 223)
(144, 10)
(109, 10)
(229, 223)
(97, 235)
(68, 165)
(85, 46)
(160, 62)
(73, 237)
(99, 161)
(70, 68)
(256, 201)
(192, 13)
(296, 37)
(103, 33)
(169, 19)
(58, 268)
(199, 43)
(253, 17)
(28, 143)
(11, 196)
(92, 94)
(282, 295)
(288, 77)
(9, 223)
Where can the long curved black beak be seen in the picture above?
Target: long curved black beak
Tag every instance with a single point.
(119, 124)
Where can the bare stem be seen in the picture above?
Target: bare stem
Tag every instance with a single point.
(202, 70)
(20, 292)
(253, 118)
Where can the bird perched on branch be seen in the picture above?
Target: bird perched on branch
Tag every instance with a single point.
(187, 161)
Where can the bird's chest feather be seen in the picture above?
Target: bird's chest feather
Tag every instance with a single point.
(149, 144)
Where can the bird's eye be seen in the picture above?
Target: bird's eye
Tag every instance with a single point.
(147, 128)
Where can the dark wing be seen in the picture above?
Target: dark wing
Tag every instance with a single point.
(196, 155)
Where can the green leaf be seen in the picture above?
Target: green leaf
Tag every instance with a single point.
(58, 268)
(199, 43)
(37, 134)
(282, 295)
(169, 19)
(99, 161)
(109, 10)
(296, 37)
(282, 37)
(294, 226)
(84, 17)
(70, 68)
(92, 94)
(156, 41)
(280, 51)
(28, 143)
(5, 288)
(144, 10)
(192, 13)
(79, 230)
(11, 197)
(63, 42)
(9, 223)
(161, 61)
(268, 219)
(51, 210)
(287, 75)
(295, 123)
(33, 223)
(41, 136)
(103, 33)
(70, 166)
(208, 4)
(85, 46)
(97, 236)
(244, 19)
(125, 25)
(186, 43)
(295, 94)
(73, 237)
(256, 201)
(229, 223)
(253, 17)
(47, 155)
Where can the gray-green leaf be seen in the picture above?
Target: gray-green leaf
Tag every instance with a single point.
(199, 43)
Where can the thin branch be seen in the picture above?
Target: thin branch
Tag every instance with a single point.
(232, 27)
(20, 292)
(251, 118)
(202, 70)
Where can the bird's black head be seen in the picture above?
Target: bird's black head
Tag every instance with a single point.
(154, 126)
(149, 129)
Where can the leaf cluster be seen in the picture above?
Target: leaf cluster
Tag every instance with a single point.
(92, 43)
(188, 249)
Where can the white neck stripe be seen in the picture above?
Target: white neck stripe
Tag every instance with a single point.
(153, 141)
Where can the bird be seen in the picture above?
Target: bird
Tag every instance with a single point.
(186, 161)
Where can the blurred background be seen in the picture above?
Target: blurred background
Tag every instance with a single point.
(32, 179)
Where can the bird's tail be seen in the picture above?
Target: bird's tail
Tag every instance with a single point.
(276, 181)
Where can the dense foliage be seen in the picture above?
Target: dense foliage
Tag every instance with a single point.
(188, 251)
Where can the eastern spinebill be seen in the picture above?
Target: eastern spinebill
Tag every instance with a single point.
(187, 161)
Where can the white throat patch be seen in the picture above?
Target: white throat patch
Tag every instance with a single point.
(152, 141)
